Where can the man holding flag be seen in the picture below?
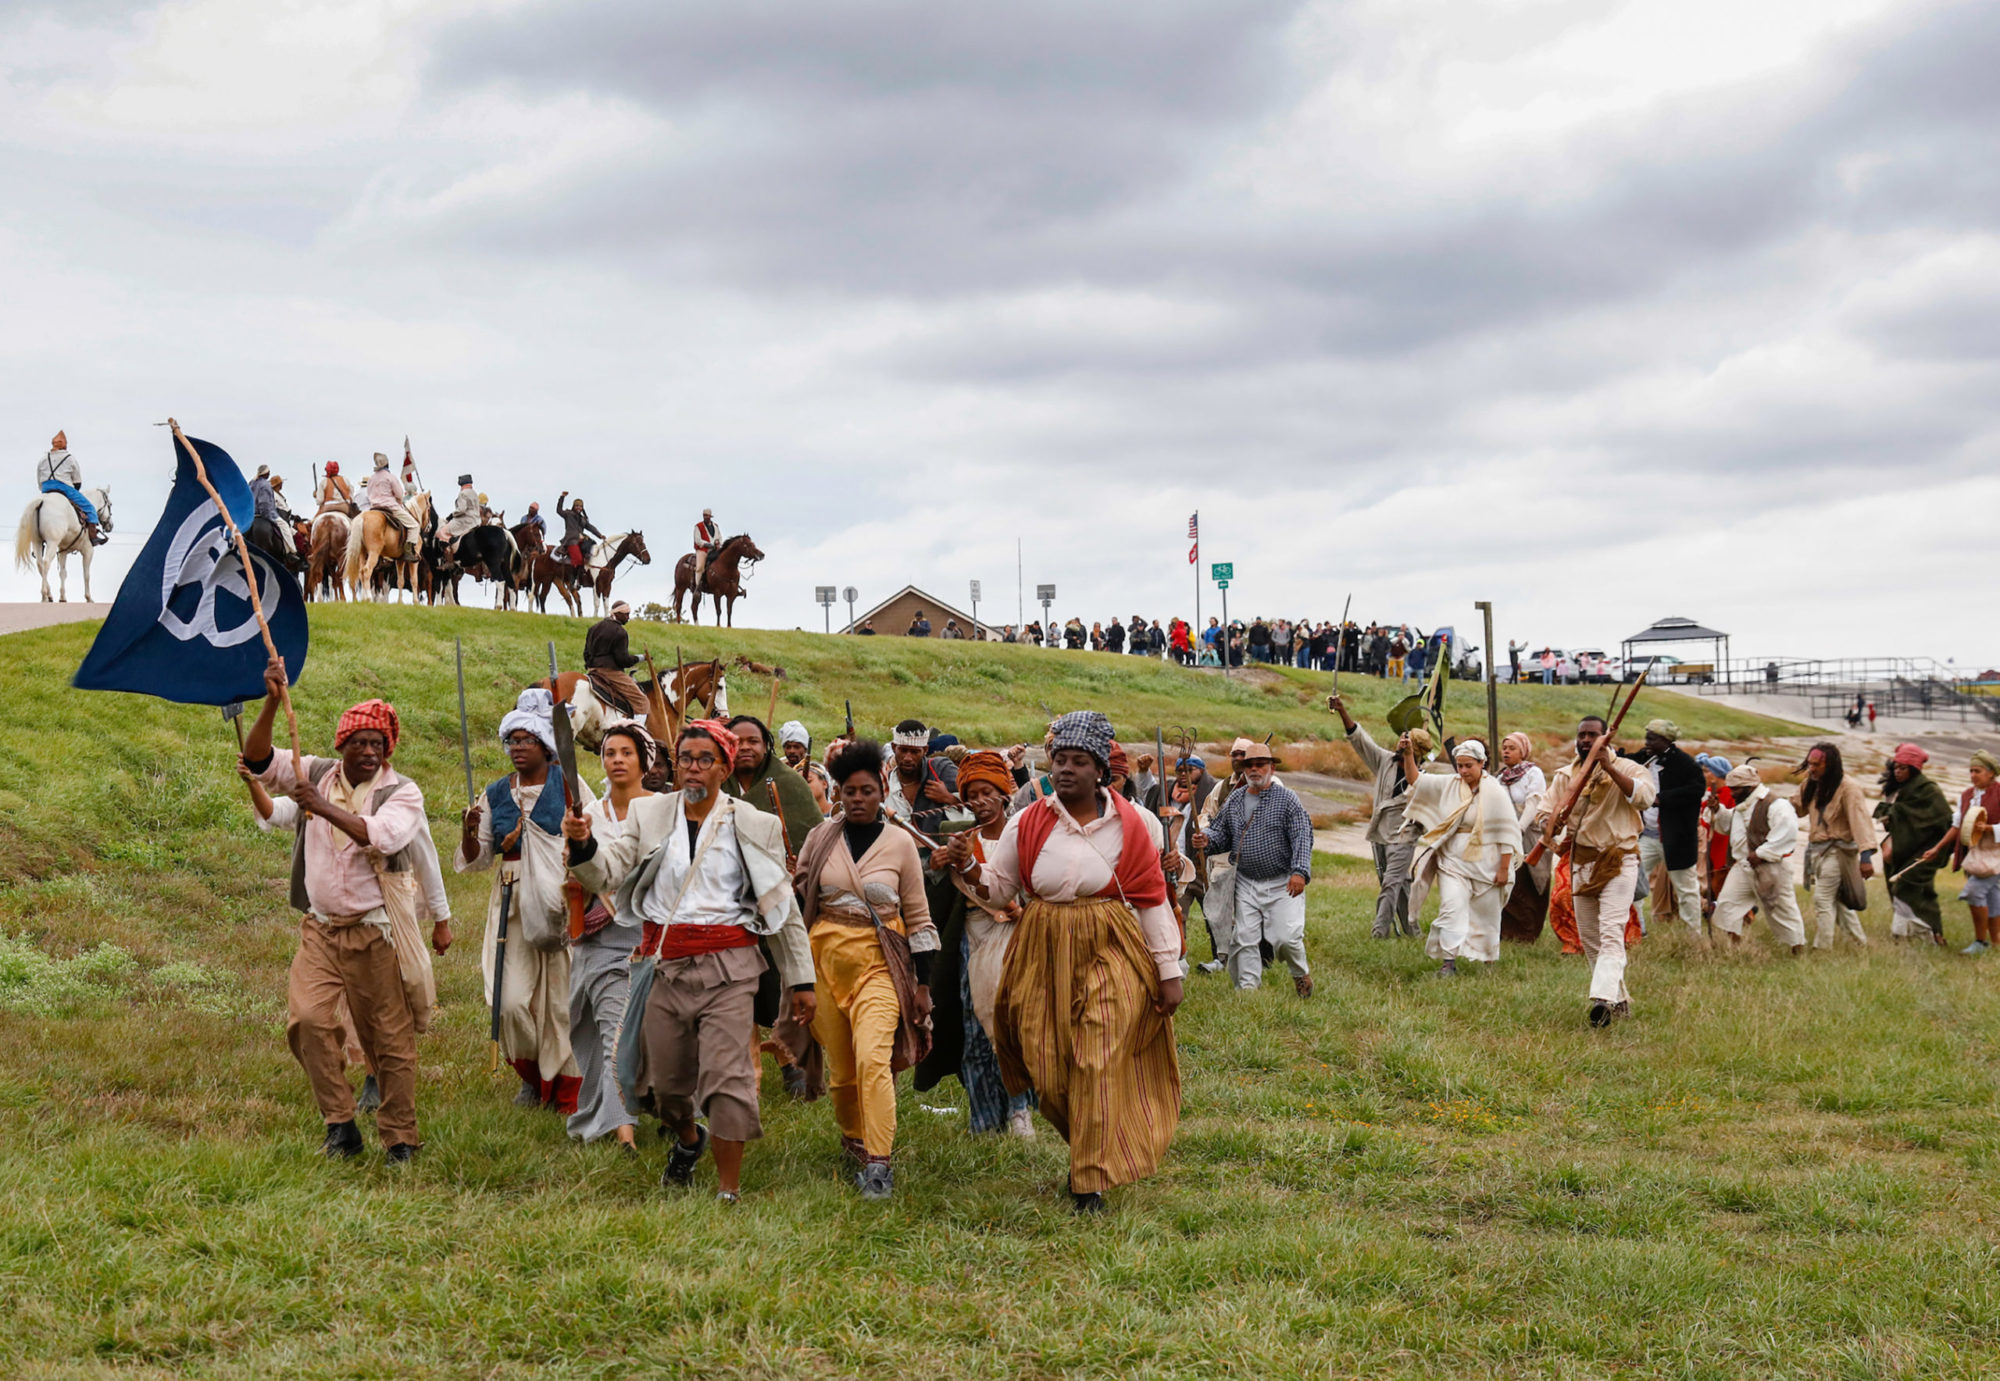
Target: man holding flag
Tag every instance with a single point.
(363, 823)
(186, 627)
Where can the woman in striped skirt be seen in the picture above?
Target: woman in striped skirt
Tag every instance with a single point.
(1084, 1014)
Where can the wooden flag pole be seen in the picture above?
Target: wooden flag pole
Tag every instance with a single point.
(250, 579)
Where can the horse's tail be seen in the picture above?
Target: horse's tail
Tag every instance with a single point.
(351, 567)
(26, 536)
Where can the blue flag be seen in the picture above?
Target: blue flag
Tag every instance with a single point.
(182, 627)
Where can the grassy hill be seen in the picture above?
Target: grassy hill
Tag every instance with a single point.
(1779, 1167)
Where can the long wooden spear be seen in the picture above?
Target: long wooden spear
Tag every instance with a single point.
(250, 579)
(1561, 817)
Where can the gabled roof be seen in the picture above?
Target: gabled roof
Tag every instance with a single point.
(932, 605)
(1676, 630)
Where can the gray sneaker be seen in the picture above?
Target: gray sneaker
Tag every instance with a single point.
(876, 1179)
(1212, 966)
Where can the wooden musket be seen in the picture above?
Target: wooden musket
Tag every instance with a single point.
(1560, 820)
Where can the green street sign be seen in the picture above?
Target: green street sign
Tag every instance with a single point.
(1222, 571)
(1221, 584)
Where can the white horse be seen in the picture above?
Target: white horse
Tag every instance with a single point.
(50, 531)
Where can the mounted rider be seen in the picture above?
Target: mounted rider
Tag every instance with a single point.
(707, 537)
(267, 526)
(536, 521)
(576, 548)
(59, 473)
(386, 495)
(466, 511)
(334, 494)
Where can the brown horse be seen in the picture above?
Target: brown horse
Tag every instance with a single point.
(544, 571)
(602, 568)
(326, 556)
(723, 579)
(375, 539)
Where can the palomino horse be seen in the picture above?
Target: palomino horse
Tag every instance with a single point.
(327, 556)
(50, 531)
(602, 566)
(374, 538)
(723, 579)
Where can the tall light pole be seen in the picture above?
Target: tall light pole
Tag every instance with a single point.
(824, 593)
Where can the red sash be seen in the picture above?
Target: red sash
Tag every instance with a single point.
(1137, 878)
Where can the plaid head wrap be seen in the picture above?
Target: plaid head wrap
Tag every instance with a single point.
(717, 730)
(985, 766)
(369, 714)
(1088, 730)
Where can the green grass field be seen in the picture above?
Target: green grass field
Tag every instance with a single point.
(1778, 1168)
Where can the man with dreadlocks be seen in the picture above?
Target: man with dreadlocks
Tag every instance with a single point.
(1840, 836)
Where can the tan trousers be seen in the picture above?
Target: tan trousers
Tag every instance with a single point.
(357, 962)
(1829, 916)
(701, 1032)
(856, 1026)
(1600, 925)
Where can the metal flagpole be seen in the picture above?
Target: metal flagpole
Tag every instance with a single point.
(249, 579)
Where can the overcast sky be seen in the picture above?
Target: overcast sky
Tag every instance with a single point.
(1602, 311)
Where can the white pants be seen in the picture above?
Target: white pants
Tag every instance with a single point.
(1218, 907)
(1266, 911)
(1739, 894)
(1600, 925)
(1829, 916)
(1468, 919)
(1686, 887)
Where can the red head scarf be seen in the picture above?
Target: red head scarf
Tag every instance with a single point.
(718, 731)
(369, 714)
(1910, 755)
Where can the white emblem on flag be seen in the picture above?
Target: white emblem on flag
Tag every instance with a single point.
(202, 554)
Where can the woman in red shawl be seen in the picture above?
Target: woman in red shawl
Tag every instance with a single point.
(1084, 1014)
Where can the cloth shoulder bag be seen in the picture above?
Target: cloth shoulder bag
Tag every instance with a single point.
(631, 1031)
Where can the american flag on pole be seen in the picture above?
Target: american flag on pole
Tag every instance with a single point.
(1194, 536)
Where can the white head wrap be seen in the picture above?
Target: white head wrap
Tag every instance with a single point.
(1471, 748)
(535, 712)
(916, 738)
(794, 732)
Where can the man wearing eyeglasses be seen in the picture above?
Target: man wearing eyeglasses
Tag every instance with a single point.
(705, 878)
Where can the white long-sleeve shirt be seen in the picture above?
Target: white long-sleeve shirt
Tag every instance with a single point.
(1782, 820)
(59, 465)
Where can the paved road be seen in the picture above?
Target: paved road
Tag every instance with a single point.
(18, 618)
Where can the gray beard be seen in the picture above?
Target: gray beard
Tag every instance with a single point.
(694, 795)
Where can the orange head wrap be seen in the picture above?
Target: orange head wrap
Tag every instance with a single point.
(60, 441)
(985, 766)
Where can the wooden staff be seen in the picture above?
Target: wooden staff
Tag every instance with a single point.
(250, 579)
(1560, 819)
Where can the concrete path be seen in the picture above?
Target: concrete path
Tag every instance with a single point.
(19, 618)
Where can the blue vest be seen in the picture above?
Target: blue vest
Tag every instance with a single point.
(547, 814)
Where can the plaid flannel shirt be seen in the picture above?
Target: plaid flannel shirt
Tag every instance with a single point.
(1278, 840)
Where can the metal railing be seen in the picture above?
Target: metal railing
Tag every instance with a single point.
(1898, 687)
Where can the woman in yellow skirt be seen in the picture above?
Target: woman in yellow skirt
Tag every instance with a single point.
(862, 885)
(1084, 1015)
